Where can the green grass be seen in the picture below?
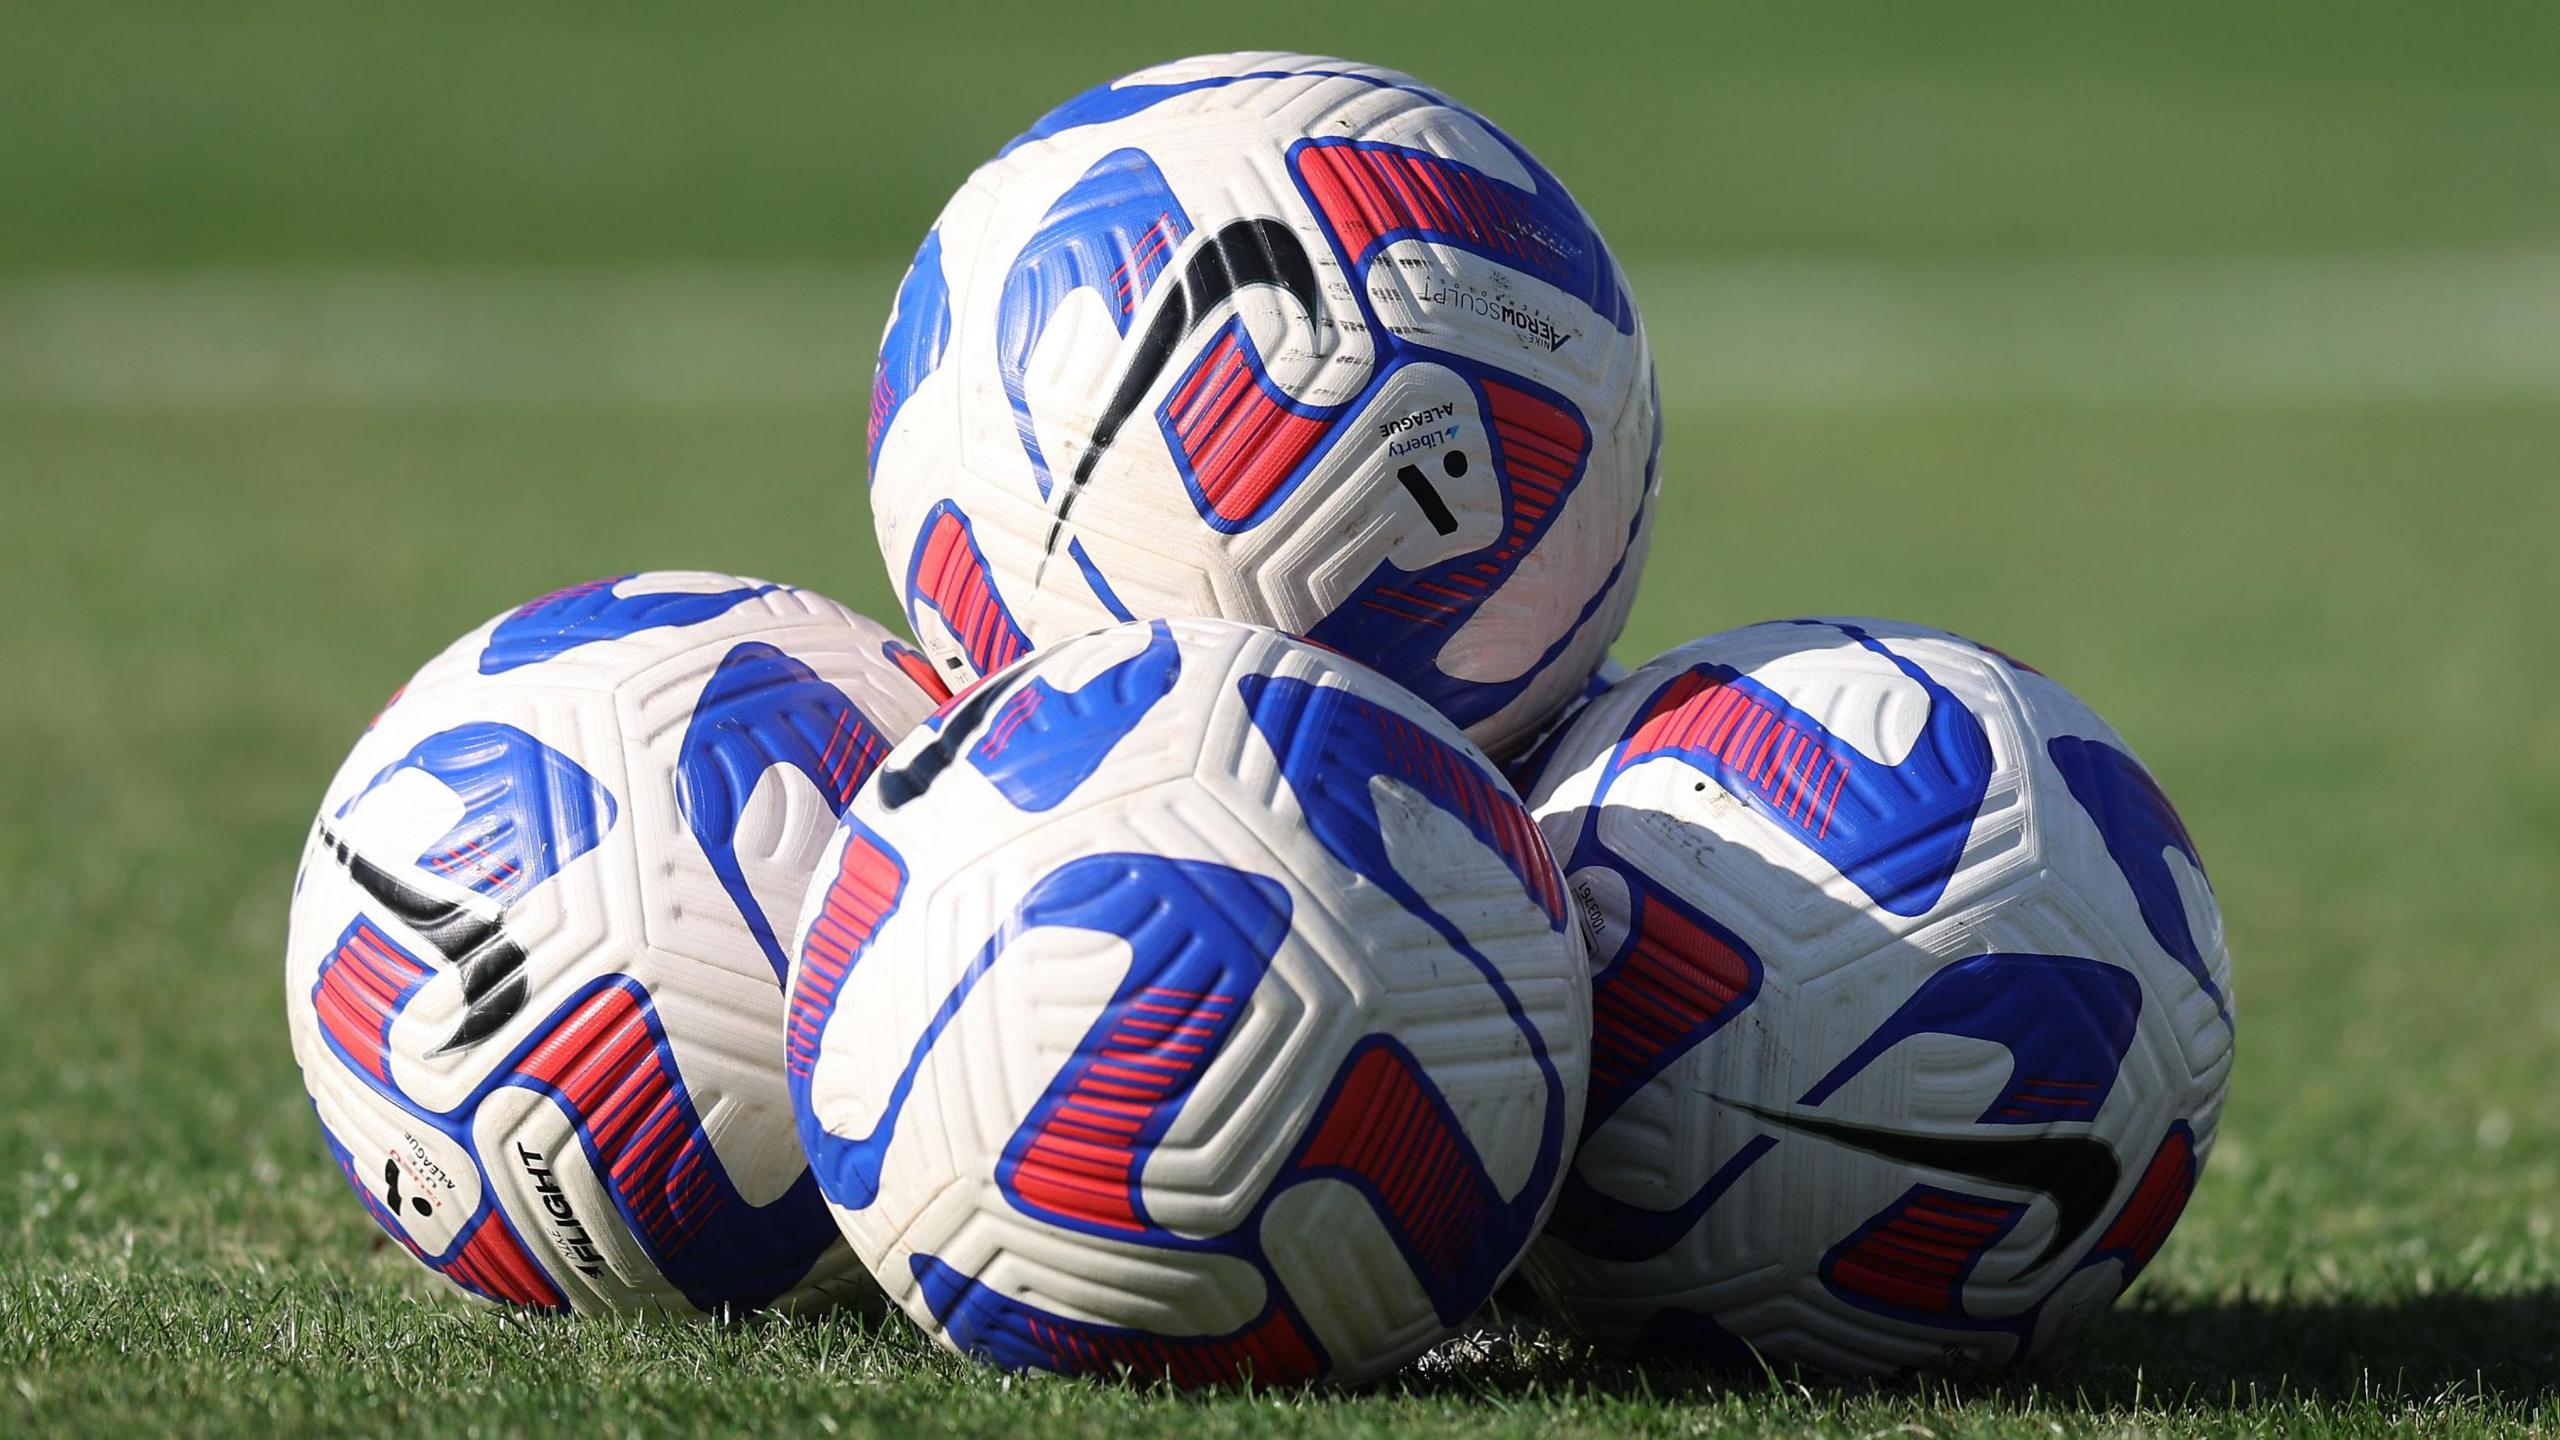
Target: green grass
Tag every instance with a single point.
(162, 131)
(2326, 621)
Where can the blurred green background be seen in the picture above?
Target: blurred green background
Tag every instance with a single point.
(263, 132)
(2207, 355)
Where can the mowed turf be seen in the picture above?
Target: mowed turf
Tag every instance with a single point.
(2321, 609)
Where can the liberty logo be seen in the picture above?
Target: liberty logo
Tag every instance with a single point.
(391, 1190)
(1434, 509)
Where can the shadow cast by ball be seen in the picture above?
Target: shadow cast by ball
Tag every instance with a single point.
(2164, 1353)
(2155, 1350)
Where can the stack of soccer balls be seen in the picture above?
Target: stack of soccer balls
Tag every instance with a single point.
(1158, 972)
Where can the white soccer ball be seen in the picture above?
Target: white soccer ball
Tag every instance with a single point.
(1283, 339)
(534, 975)
(1189, 1001)
(1913, 1016)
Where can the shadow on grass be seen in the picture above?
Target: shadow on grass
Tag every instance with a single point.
(2172, 1353)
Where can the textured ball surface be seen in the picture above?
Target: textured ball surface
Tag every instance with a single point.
(534, 970)
(1286, 340)
(1188, 1001)
(1912, 1009)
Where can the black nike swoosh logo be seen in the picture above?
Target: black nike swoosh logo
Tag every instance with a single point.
(491, 964)
(1245, 252)
(2079, 1172)
(900, 783)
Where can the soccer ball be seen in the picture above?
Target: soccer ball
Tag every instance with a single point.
(535, 962)
(1185, 1000)
(1912, 1010)
(1282, 339)
(1524, 769)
